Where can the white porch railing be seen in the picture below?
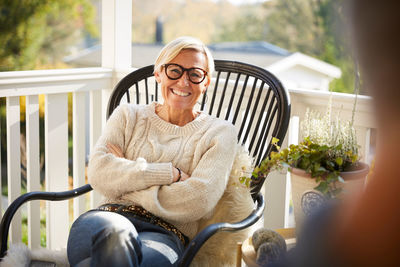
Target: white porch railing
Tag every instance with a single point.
(55, 85)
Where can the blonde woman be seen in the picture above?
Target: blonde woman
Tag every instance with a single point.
(160, 167)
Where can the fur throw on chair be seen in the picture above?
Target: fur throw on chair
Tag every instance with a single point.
(235, 205)
(19, 255)
(220, 250)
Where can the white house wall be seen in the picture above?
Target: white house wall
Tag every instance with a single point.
(302, 77)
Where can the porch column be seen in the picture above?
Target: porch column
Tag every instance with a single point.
(116, 39)
(116, 42)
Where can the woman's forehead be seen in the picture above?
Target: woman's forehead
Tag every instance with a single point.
(189, 58)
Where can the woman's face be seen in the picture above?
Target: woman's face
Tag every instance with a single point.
(182, 94)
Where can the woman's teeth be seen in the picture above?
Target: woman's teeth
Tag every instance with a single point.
(180, 93)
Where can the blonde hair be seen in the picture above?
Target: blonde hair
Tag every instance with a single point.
(173, 48)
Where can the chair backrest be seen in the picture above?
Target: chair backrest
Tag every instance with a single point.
(250, 97)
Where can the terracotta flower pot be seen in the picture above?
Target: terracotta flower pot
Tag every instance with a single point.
(305, 197)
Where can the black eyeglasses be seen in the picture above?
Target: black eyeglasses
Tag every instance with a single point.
(175, 71)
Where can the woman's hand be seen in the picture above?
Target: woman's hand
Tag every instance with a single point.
(184, 176)
(115, 150)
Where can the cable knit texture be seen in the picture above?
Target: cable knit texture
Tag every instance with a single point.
(204, 149)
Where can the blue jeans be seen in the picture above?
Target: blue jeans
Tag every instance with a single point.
(102, 238)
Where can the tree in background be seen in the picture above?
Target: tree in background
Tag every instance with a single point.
(312, 27)
(38, 33)
(198, 18)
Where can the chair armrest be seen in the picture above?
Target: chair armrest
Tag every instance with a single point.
(212, 229)
(37, 195)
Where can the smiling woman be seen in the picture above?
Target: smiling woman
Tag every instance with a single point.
(161, 167)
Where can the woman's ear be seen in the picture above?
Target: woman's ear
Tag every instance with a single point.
(157, 76)
(206, 84)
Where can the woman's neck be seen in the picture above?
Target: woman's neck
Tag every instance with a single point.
(177, 117)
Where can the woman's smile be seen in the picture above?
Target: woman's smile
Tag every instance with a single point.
(179, 92)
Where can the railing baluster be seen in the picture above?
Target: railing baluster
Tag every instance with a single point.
(79, 149)
(33, 168)
(56, 154)
(14, 162)
(95, 132)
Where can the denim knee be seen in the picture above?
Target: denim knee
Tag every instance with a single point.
(105, 238)
(116, 245)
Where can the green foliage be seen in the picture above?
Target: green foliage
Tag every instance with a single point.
(37, 32)
(247, 27)
(315, 159)
(312, 27)
(199, 18)
(246, 181)
(329, 147)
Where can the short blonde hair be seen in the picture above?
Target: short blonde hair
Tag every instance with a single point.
(173, 48)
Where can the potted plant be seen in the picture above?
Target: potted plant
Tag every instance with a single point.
(325, 164)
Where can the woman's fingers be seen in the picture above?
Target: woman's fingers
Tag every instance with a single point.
(184, 176)
(115, 150)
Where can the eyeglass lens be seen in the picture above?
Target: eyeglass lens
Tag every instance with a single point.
(174, 72)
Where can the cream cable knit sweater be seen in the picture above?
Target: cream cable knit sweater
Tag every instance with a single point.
(204, 149)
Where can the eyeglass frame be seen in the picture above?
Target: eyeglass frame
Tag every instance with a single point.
(184, 69)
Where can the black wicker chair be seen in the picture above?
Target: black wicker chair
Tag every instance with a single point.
(250, 97)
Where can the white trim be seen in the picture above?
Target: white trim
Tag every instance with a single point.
(35, 82)
(306, 61)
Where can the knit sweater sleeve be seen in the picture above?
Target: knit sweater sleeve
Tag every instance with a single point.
(190, 200)
(114, 176)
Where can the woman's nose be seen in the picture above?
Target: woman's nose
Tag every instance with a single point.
(183, 80)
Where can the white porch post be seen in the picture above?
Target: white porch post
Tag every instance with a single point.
(116, 32)
(276, 199)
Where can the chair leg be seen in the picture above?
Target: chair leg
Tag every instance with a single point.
(239, 254)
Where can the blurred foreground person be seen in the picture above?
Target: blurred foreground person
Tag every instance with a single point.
(365, 230)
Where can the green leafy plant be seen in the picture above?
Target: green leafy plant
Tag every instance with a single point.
(322, 162)
(328, 148)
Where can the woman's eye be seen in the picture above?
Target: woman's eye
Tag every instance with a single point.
(176, 70)
(195, 74)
